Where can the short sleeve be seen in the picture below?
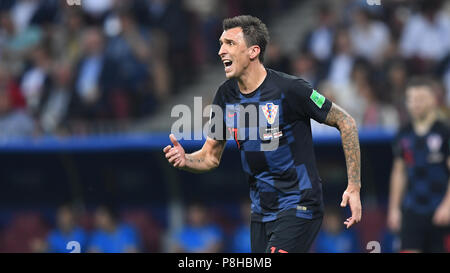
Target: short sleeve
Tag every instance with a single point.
(447, 141)
(216, 119)
(306, 102)
(396, 146)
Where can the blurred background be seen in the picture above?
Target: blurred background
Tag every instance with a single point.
(86, 93)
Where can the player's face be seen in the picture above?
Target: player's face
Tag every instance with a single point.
(234, 52)
(65, 218)
(419, 101)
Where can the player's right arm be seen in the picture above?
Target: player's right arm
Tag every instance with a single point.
(397, 189)
(203, 160)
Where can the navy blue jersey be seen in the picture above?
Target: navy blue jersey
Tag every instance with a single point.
(279, 162)
(425, 158)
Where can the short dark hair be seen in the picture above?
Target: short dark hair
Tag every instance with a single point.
(421, 81)
(255, 31)
(110, 210)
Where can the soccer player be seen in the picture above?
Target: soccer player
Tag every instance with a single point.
(285, 187)
(419, 202)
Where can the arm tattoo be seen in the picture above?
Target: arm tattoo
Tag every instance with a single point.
(337, 117)
(194, 160)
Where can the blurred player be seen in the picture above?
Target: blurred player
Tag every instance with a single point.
(198, 234)
(111, 234)
(419, 203)
(285, 187)
(67, 230)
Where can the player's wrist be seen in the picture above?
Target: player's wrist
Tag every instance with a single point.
(394, 209)
(353, 187)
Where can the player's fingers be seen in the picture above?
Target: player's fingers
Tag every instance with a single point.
(355, 218)
(356, 212)
(171, 153)
(167, 148)
(350, 223)
(174, 140)
(344, 200)
(177, 163)
(358, 215)
(173, 158)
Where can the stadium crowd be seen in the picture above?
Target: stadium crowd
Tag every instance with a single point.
(76, 69)
(67, 69)
(362, 56)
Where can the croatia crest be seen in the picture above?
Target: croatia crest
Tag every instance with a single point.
(270, 112)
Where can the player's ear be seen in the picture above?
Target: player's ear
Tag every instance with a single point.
(254, 52)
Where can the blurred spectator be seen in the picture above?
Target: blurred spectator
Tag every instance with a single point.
(128, 52)
(66, 38)
(172, 18)
(22, 13)
(341, 62)
(447, 86)
(15, 44)
(112, 236)
(377, 114)
(55, 102)
(151, 12)
(443, 111)
(370, 38)
(90, 77)
(95, 10)
(36, 79)
(276, 59)
(241, 236)
(395, 87)
(9, 84)
(208, 28)
(319, 41)
(443, 71)
(198, 235)
(67, 230)
(333, 238)
(425, 37)
(304, 66)
(14, 120)
(347, 93)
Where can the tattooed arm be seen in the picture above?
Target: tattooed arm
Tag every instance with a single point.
(203, 160)
(337, 117)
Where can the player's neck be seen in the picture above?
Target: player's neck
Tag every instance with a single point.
(423, 125)
(252, 78)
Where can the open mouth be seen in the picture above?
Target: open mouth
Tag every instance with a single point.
(227, 63)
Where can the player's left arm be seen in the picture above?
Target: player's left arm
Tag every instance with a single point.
(339, 118)
(441, 216)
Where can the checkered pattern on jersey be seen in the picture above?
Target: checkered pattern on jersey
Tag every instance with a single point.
(279, 163)
(426, 168)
